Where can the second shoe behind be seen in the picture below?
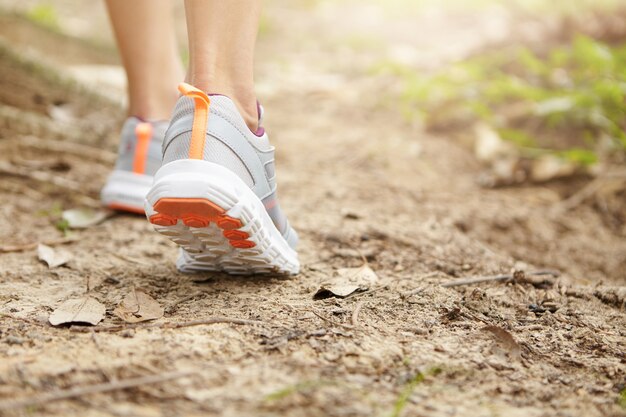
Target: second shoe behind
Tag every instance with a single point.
(138, 159)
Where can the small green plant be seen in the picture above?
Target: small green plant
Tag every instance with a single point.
(63, 226)
(410, 386)
(54, 214)
(44, 14)
(55, 210)
(622, 399)
(299, 387)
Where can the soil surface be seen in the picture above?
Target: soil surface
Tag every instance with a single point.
(361, 185)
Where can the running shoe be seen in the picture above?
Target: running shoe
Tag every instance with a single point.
(215, 194)
(139, 158)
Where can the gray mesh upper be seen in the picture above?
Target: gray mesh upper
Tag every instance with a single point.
(231, 144)
(128, 143)
(178, 148)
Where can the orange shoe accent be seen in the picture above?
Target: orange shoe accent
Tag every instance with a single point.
(199, 212)
(162, 220)
(235, 235)
(229, 224)
(195, 221)
(200, 118)
(124, 207)
(242, 244)
(143, 131)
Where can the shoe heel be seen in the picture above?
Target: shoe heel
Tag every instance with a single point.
(217, 220)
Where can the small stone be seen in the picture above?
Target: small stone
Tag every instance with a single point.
(14, 340)
(128, 333)
(111, 280)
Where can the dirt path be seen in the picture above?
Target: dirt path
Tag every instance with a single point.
(357, 181)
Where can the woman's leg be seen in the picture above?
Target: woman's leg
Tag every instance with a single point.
(145, 35)
(217, 180)
(222, 35)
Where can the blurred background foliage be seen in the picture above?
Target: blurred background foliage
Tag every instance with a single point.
(44, 14)
(560, 97)
(558, 93)
(569, 99)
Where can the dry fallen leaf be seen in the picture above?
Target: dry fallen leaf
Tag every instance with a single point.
(84, 217)
(138, 306)
(347, 281)
(82, 310)
(51, 257)
(506, 339)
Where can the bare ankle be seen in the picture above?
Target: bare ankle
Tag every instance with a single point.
(243, 97)
(249, 112)
(152, 103)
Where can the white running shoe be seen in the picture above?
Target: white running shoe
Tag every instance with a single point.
(215, 194)
(139, 158)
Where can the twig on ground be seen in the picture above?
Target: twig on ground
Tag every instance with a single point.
(395, 237)
(94, 339)
(210, 320)
(355, 313)
(474, 316)
(347, 326)
(371, 291)
(579, 197)
(92, 389)
(418, 290)
(68, 147)
(412, 292)
(517, 275)
(48, 178)
(131, 260)
(175, 304)
(41, 176)
(587, 191)
(363, 258)
(33, 245)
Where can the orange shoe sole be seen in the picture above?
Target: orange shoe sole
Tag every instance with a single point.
(199, 213)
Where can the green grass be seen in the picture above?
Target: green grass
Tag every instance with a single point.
(44, 14)
(398, 406)
(295, 388)
(622, 399)
(408, 389)
(63, 226)
(55, 210)
(566, 100)
(54, 213)
(404, 396)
